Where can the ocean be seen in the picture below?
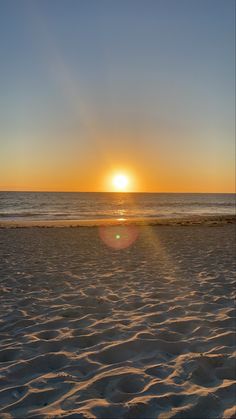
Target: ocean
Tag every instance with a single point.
(16, 206)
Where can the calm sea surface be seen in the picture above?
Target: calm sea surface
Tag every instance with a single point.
(92, 206)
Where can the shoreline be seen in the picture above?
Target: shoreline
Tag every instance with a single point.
(181, 221)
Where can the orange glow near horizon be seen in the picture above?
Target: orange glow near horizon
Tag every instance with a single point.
(105, 182)
(103, 176)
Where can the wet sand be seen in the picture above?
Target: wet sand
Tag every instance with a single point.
(154, 221)
(88, 331)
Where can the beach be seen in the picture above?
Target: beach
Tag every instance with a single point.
(146, 329)
(117, 209)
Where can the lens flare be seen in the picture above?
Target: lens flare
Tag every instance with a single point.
(118, 237)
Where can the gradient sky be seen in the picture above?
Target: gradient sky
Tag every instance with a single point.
(91, 87)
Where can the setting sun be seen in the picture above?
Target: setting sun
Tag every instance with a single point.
(120, 182)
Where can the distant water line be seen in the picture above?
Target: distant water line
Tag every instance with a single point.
(52, 206)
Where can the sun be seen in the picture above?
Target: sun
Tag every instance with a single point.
(120, 182)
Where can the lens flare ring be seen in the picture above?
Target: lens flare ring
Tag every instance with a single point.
(118, 237)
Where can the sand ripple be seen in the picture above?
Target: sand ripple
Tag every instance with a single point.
(145, 332)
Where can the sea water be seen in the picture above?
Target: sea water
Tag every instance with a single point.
(16, 206)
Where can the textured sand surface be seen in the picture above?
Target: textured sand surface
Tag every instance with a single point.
(143, 332)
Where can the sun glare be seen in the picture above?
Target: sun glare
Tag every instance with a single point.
(120, 182)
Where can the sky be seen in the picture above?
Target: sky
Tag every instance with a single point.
(91, 88)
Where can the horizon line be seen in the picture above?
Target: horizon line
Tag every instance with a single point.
(114, 192)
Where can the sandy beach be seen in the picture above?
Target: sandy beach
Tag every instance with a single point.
(88, 331)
